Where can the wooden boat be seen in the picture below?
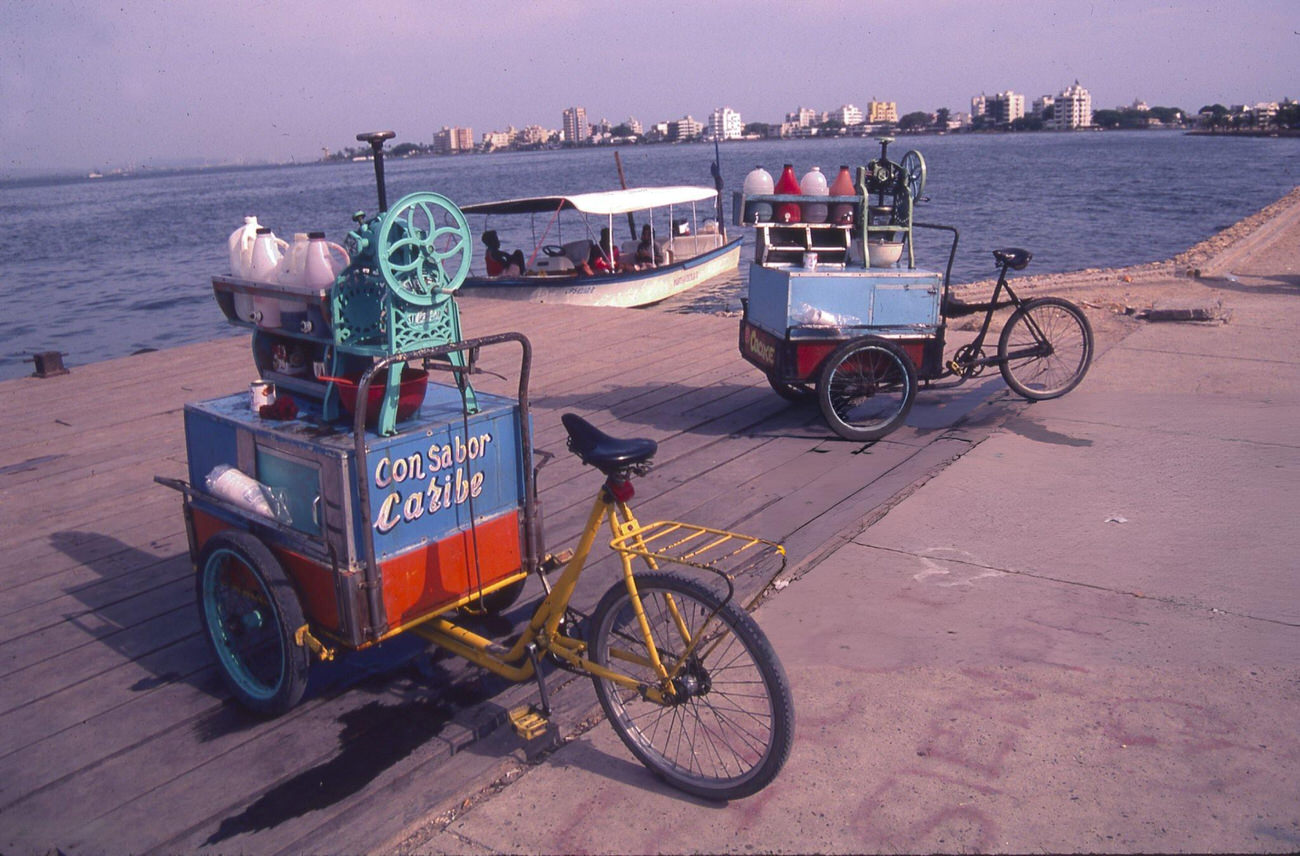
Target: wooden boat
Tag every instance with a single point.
(562, 267)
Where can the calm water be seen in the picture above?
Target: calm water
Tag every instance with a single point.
(99, 269)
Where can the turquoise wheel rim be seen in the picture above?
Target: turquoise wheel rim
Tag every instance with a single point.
(243, 624)
(424, 248)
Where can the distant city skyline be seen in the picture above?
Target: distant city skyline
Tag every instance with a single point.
(94, 84)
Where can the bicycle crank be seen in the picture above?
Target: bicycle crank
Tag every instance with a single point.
(969, 361)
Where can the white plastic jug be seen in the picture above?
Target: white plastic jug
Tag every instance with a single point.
(240, 245)
(264, 260)
(814, 183)
(294, 260)
(264, 266)
(758, 182)
(323, 261)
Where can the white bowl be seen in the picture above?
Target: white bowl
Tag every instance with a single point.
(884, 253)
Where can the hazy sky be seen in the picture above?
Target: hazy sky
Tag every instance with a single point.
(91, 84)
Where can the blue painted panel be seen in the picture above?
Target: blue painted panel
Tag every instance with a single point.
(424, 482)
(427, 483)
(210, 442)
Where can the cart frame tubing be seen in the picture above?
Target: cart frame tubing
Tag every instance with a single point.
(543, 631)
(374, 593)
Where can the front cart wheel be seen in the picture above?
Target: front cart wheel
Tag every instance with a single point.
(250, 615)
(866, 388)
(727, 723)
(1045, 349)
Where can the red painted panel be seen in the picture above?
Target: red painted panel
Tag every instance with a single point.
(422, 580)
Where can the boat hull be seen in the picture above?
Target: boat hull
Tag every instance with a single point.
(618, 289)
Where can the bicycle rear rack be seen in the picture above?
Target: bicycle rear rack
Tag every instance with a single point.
(727, 554)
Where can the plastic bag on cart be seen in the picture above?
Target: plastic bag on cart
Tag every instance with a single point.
(248, 493)
(810, 316)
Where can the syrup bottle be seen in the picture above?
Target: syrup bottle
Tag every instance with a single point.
(813, 183)
(758, 183)
(787, 185)
(842, 212)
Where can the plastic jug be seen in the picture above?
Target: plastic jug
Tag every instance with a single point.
(264, 259)
(758, 182)
(240, 245)
(264, 267)
(323, 261)
(842, 212)
(813, 183)
(787, 184)
(294, 260)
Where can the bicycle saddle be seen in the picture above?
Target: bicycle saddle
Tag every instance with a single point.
(605, 453)
(1012, 257)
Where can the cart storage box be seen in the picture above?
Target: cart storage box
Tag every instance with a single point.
(897, 301)
(426, 484)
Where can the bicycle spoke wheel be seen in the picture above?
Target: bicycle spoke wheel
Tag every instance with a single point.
(1045, 349)
(727, 728)
(250, 614)
(866, 388)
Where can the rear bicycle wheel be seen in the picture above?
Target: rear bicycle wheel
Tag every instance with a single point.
(1045, 349)
(866, 388)
(728, 727)
(250, 614)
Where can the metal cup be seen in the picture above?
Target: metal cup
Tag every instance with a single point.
(260, 393)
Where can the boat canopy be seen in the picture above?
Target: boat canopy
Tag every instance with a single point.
(609, 202)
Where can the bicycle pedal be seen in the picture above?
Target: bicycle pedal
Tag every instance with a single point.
(528, 722)
(554, 561)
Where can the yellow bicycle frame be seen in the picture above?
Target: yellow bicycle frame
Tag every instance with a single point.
(543, 630)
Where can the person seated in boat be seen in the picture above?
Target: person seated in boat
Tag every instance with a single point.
(497, 261)
(648, 253)
(603, 257)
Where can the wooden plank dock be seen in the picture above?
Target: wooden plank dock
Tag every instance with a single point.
(116, 734)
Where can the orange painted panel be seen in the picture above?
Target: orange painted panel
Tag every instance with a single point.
(421, 580)
(312, 581)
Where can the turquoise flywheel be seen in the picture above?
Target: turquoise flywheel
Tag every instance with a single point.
(424, 248)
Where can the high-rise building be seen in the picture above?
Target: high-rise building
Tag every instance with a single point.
(496, 139)
(1003, 108)
(804, 117)
(847, 115)
(882, 111)
(685, 128)
(725, 124)
(452, 140)
(575, 125)
(635, 125)
(1073, 108)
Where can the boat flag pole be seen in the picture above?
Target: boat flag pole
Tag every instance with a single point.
(716, 169)
(631, 221)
